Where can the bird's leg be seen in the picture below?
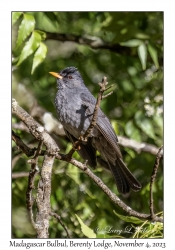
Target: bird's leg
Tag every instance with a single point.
(84, 137)
(76, 146)
(103, 88)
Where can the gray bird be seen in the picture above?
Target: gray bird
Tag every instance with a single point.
(75, 105)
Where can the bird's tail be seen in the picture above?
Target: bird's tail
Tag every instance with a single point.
(123, 177)
(127, 180)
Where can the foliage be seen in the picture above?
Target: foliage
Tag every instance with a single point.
(135, 108)
(145, 229)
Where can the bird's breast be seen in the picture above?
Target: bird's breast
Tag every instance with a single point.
(71, 113)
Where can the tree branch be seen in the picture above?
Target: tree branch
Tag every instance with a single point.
(36, 130)
(61, 223)
(94, 43)
(20, 126)
(113, 197)
(43, 197)
(137, 146)
(95, 113)
(44, 185)
(19, 175)
(34, 127)
(84, 138)
(52, 125)
(33, 172)
(153, 177)
(28, 151)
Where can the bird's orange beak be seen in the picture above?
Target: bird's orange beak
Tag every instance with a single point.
(56, 75)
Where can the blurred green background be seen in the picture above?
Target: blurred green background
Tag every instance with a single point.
(129, 52)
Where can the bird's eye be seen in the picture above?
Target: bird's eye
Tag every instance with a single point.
(70, 77)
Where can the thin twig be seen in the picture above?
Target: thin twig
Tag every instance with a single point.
(55, 127)
(104, 96)
(61, 223)
(28, 151)
(97, 105)
(105, 189)
(19, 175)
(94, 43)
(84, 138)
(113, 197)
(43, 197)
(20, 126)
(153, 177)
(33, 171)
(137, 146)
(16, 158)
(36, 131)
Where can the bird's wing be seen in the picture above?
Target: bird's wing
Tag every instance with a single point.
(103, 124)
(87, 151)
(106, 142)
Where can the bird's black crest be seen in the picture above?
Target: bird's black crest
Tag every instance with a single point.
(69, 70)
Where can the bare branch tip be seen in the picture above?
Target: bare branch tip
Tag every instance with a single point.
(14, 104)
(104, 96)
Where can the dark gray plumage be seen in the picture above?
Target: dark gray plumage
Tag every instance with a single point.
(75, 105)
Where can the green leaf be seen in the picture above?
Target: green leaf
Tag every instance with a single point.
(153, 53)
(87, 231)
(130, 152)
(59, 194)
(115, 126)
(159, 121)
(130, 219)
(145, 124)
(15, 16)
(142, 52)
(30, 47)
(52, 16)
(26, 27)
(39, 56)
(131, 43)
(132, 131)
(73, 173)
(42, 34)
(103, 236)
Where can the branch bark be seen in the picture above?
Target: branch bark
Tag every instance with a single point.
(153, 177)
(36, 130)
(43, 197)
(19, 175)
(28, 151)
(94, 43)
(88, 132)
(33, 172)
(60, 221)
(52, 125)
(44, 187)
(137, 146)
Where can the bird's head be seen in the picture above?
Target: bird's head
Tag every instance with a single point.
(68, 78)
